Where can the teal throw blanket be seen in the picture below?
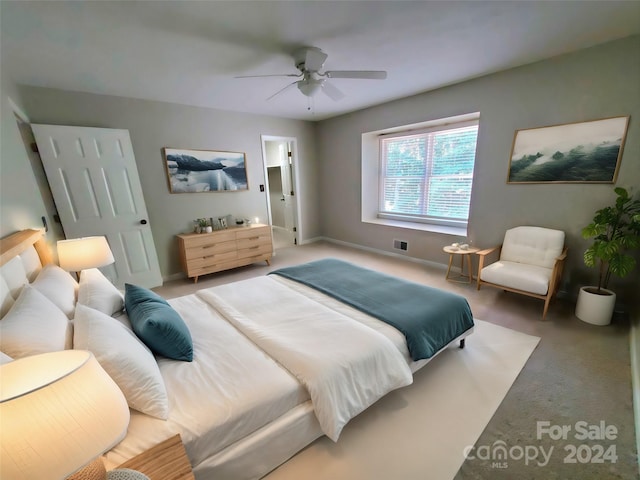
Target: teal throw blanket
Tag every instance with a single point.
(429, 318)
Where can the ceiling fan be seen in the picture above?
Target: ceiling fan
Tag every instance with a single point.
(309, 61)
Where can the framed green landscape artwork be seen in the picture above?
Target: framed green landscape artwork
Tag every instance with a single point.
(585, 152)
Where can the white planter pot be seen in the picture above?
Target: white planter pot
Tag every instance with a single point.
(594, 308)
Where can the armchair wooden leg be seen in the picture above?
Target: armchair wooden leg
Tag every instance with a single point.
(480, 265)
(546, 306)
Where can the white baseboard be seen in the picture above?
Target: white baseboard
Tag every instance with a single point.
(634, 347)
(437, 265)
(310, 240)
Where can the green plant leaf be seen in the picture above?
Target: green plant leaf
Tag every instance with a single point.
(615, 230)
(593, 230)
(621, 192)
(622, 265)
(590, 257)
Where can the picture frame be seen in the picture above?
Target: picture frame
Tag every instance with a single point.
(197, 171)
(582, 152)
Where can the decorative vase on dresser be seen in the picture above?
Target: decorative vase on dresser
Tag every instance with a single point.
(201, 254)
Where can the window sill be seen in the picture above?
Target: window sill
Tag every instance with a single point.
(425, 227)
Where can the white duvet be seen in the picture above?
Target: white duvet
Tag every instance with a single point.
(345, 365)
(230, 390)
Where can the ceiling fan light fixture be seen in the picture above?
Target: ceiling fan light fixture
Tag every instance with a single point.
(310, 87)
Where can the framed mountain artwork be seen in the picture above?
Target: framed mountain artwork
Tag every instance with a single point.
(585, 152)
(195, 171)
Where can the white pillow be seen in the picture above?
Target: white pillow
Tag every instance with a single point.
(96, 291)
(6, 300)
(4, 358)
(15, 275)
(58, 286)
(31, 262)
(125, 358)
(33, 325)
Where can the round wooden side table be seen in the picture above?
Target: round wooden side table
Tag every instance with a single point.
(466, 253)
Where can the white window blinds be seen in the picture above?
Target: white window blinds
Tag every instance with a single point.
(427, 176)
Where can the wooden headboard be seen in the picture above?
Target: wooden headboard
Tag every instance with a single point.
(16, 243)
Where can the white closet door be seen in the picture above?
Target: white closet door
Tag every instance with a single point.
(95, 184)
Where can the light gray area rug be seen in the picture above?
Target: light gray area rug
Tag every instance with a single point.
(426, 426)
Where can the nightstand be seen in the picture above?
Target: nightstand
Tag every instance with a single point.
(166, 461)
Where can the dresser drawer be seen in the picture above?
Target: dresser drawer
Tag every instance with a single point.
(218, 267)
(201, 239)
(252, 232)
(210, 260)
(254, 241)
(210, 249)
(255, 250)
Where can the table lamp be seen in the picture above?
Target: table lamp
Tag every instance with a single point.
(59, 412)
(77, 254)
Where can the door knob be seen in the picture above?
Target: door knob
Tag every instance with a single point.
(143, 222)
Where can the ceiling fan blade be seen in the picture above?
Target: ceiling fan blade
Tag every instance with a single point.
(282, 90)
(363, 74)
(314, 59)
(274, 75)
(332, 92)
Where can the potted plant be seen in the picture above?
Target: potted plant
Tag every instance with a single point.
(615, 231)
(204, 226)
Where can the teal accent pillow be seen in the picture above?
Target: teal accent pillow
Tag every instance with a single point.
(157, 324)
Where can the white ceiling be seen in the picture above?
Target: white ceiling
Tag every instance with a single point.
(188, 52)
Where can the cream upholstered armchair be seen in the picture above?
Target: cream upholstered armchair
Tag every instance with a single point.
(531, 262)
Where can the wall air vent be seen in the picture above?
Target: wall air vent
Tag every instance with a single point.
(400, 245)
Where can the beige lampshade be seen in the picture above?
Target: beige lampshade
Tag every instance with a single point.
(78, 254)
(58, 412)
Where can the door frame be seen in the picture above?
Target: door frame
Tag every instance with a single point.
(296, 181)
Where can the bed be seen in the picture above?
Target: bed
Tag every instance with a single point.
(274, 362)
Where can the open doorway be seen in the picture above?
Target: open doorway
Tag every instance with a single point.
(279, 156)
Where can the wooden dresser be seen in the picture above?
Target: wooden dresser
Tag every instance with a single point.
(203, 253)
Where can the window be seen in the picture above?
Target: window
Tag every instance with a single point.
(426, 176)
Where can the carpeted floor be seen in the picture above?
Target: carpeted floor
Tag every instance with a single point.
(578, 377)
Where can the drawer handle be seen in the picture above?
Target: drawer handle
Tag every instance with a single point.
(253, 248)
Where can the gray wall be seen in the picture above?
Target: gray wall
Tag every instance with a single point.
(600, 82)
(21, 204)
(154, 125)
